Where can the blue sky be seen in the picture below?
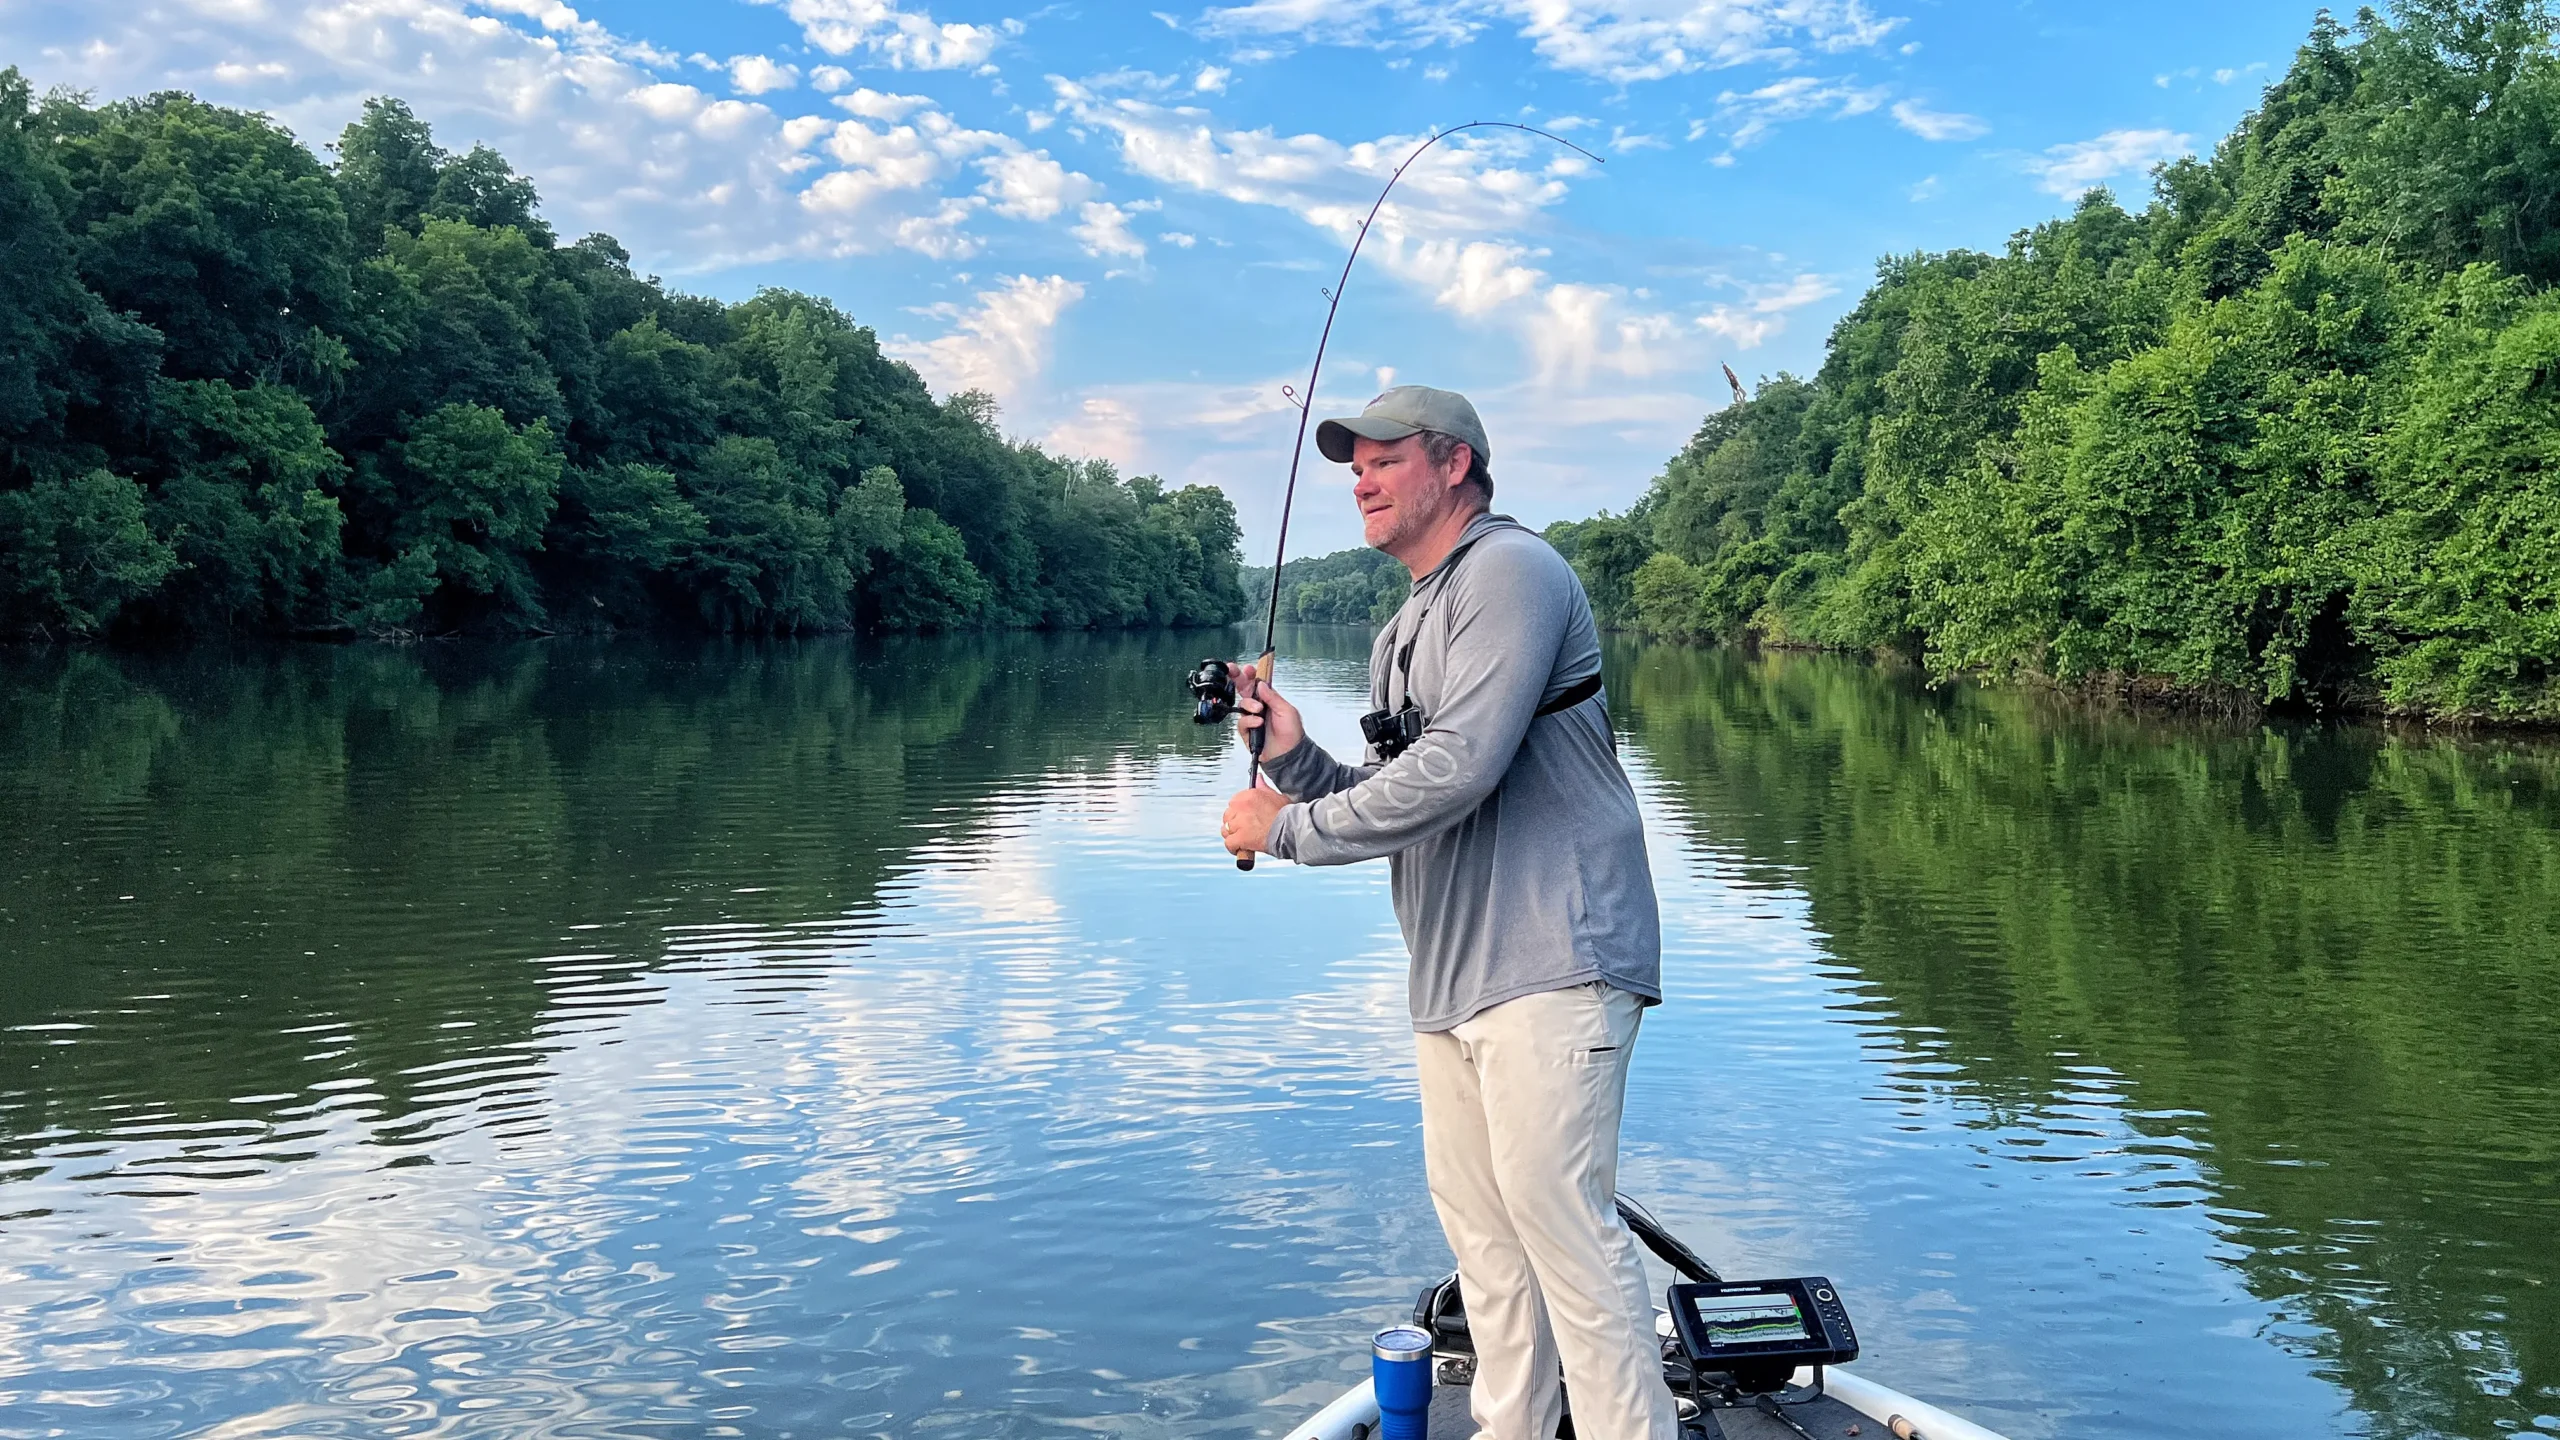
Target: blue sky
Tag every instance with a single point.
(1117, 218)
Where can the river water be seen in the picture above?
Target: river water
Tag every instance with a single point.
(838, 1038)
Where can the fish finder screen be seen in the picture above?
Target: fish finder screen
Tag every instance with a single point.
(1762, 1319)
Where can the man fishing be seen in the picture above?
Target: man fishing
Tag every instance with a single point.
(1520, 881)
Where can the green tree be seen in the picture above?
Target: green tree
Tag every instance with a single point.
(461, 504)
(385, 397)
(1606, 551)
(770, 561)
(62, 352)
(388, 166)
(214, 227)
(2281, 436)
(482, 190)
(74, 550)
(870, 518)
(925, 581)
(244, 507)
(2462, 602)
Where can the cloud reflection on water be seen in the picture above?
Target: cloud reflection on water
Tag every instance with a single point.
(803, 1087)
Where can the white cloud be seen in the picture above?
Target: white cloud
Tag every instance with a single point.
(1130, 77)
(831, 78)
(1794, 294)
(1483, 275)
(1430, 235)
(1028, 185)
(1474, 183)
(2221, 76)
(1621, 41)
(1580, 330)
(1740, 326)
(1001, 344)
(1763, 311)
(1179, 240)
(903, 40)
(761, 75)
(1930, 124)
(1751, 116)
(1212, 80)
(1233, 434)
(236, 73)
(1104, 229)
(1602, 366)
(904, 157)
(873, 104)
(1104, 425)
(2067, 170)
(690, 180)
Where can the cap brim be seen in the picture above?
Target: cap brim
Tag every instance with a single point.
(1334, 437)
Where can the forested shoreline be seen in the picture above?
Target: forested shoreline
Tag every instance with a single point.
(244, 391)
(1359, 586)
(2289, 435)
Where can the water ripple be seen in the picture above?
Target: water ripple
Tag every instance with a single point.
(588, 1041)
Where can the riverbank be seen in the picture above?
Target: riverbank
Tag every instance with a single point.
(2283, 432)
(423, 412)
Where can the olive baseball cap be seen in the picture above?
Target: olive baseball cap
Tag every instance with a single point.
(1405, 410)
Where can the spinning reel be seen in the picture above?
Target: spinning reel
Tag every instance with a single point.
(1215, 691)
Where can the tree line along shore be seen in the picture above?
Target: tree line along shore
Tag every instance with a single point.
(2290, 435)
(246, 392)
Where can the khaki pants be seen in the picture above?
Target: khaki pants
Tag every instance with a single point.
(1520, 1108)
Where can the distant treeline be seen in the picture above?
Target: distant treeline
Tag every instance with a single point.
(244, 391)
(1347, 587)
(2293, 431)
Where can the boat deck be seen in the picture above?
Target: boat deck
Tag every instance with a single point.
(1822, 1417)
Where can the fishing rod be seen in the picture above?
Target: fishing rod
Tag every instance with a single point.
(1202, 684)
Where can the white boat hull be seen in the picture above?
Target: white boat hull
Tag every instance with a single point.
(1353, 1415)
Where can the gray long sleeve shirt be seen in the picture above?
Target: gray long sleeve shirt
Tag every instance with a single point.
(1518, 855)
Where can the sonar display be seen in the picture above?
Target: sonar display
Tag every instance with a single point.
(1760, 1319)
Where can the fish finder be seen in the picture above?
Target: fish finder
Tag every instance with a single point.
(1758, 1332)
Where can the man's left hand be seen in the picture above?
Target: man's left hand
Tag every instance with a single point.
(1247, 826)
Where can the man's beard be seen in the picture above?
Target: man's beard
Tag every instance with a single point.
(1408, 522)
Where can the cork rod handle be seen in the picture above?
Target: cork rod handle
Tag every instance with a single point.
(1253, 747)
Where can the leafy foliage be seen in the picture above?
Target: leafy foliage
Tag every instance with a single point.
(1347, 587)
(2287, 432)
(244, 391)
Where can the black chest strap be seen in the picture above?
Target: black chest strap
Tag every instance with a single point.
(1574, 694)
(1579, 691)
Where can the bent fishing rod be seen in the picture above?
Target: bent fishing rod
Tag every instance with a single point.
(1206, 686)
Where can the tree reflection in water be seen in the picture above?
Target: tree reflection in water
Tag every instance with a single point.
(2330, 957)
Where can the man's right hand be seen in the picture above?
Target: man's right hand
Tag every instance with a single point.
(1259, 707)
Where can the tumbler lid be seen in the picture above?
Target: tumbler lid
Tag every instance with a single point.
(1401, 1342)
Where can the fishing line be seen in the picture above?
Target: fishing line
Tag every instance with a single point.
(1305, 402)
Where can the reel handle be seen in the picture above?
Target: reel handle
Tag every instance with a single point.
(1253, 741)
(1253, 744)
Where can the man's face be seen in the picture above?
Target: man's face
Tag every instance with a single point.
(1401, 494)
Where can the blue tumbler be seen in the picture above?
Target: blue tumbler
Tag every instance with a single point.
(1400, 1366)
